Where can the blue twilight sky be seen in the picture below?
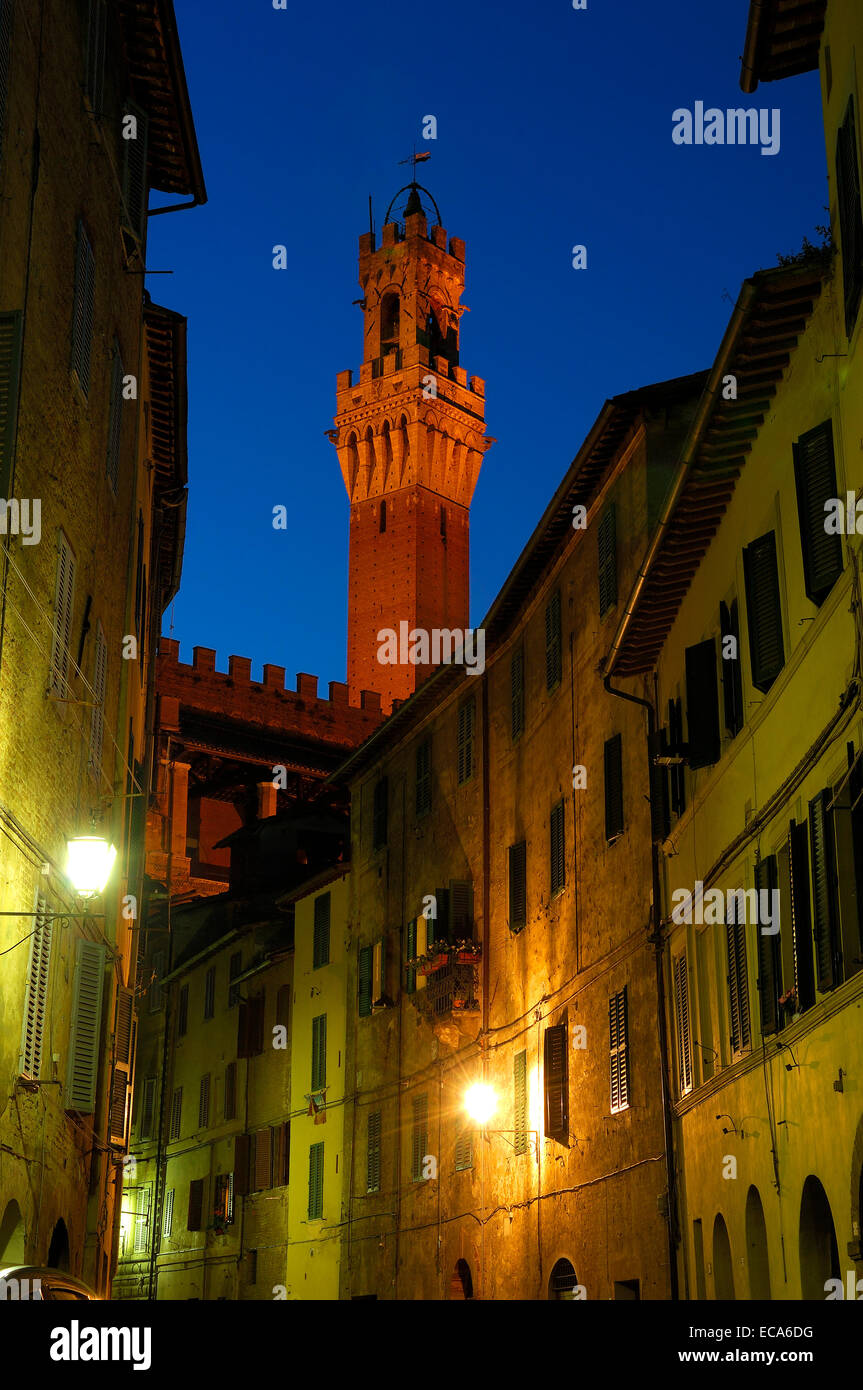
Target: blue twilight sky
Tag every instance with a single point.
(554, 128)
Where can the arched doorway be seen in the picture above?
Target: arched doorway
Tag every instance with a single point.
(58, 1250)
(12, 1235)
(723, 1272)
(819, 1253)
(461, 1283)
(756, 1246)
(562, 1281)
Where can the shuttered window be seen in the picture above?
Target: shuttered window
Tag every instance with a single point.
(141, 1237)
(64, 595)
(263, 1160)
(763, 610)
(168, 1213)
(373, 1153)
(121, 1077)
(516, 682)
(135, 168)
(82, 309)
(204, 1102)
(684, 1037)
(556, 1083)
(769, 959)
(196, 1205)
(10, 374)
(850, 220)
(815, 477)
(738, 978)
(463, 1147)
(379, 971)
(231, 1091)
(316, 1182)
(677, 772)
(607, 541)
(115, 418)
(94, 72)
(801, 916)
(5, 62)
(702, 704)
(553, 643)
(321, 946)
(97, 714)
(250, 1026)
(176, 1114)
(183, 1011)
(36, 998)
(148, 1107)
(460, 909)
(210, 992)
(660, 819)
(825, 924)
(519, 1102)
(423, 778)
(618, 1050)
(411, 953)
(613, 765)
(223, 1199)
(380, 814)
(557, 843)
(319, 1052)
(419, 1134)
(466, 718)
(518, 886)
(235, 966)
(86, 1026)
(732, 678)
(364, 972)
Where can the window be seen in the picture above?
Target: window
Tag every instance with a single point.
(95, 54)
(196, 1205)
(282, 1149)
(459, 903)
(183, 1011)
(262, 1163)
(411, 953)
(613, 788)
(319, 1052)
(796, 865)
(677, 771)
(556, 1083)
(63, 598)
(466, 718)
(518, 886)
(168, 1213)
(364, 973)
(97, 714)
(618, 1049)
(419, 1134)
(316, 1182)
(553, 643)
(769, 960)
(464, 1146)
(684, 1038)
(660, 819)
(141, 1238)
(382, 522)
(223, 1199)
(519, 1102)
(557, 842)
(607, 542)
(204, 1102)
(825, 924)
(82, 309)
(86, 1026)
(210, 992)
(424, 787)
(702, 704)
(176, 1113)
(815, 477)
(148, 1107)
(850, 223)
(250, 1026)
(134, 132)
(36, 998)
(443, 524)
(738, 979)
(516, 686)
(115, 418)
(848, 844)
(379, 959)
(766, 650)
(231, 1091)
(732, 680)
(373, 1153)
(321, 945)
(380, 814)
(10, 368)
(234, 969)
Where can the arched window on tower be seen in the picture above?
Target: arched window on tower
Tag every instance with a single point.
(390, 318)
(383, 517)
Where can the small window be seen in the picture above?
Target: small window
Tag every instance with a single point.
(763, 610)
(423, 778)
(607, 541)
(223, 1199)
(815, 478)
(183, 1011)
(380, 814)
(557, 845)
(850, 221)
(321, 945)
(382, 519)
(373, 1153)
(613, 760)
(148, 1108)
(464, 1147)
(516, 677)
(618, 1029)
(82, 309)
(319, 1052)
(316, 1182)
(210, 992)
(196, 1205)
(419, 1135)
(518, 886)
(556, 1084)
(466, 719)
(553, 643)
(157, 968)
(168, 1217)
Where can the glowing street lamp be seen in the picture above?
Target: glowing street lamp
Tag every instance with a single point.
(89, 861)
(480, 1102)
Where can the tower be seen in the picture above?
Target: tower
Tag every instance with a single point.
(410, 440)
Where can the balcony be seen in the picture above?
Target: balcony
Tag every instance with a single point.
(447, 989)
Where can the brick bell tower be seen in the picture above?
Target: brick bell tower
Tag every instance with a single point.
(410, 440)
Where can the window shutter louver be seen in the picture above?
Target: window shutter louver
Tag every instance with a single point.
(702, 704)
(263, 1160)
(801, 916)
(196, 1204)
(176, 1114)
(660, 819)
(378, 971)
(613, 787)
(148, 1107)
(231, 1091)
(97, 716)
(142, 1220)
(321, 948)
(516, 677)
(365, 980)
(86, 1026)
(135, 173)
(115, 417)
(373, 1156)
(518, 886)
(10, 374)
(168, 1217)
(82, 309)
(242, 1163)
(618, 1027)
(319, 1052)
(461, 909)
(122, 1073)
(519, 1089)
(463, 1148)
(466, 716)
(63, 603)
(380, 814)
(825, 923)
(764, 613)
(738, 980)
(36, 1001)
(607, 541)
(684, 1040)
(419, 1135)
(285, 1171)
(204, 1102)
(556, 1083)
(411, 953)
(557, 843)
(815, 478)
(553, 643)
(316, 1182)
(732, 680)
(850, 218)
(769, 960)
(423, 779)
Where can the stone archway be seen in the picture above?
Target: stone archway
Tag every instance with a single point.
(562, 1282)
(58, 1250)
(756, 1246)
(461, 1283)
(819, 1252)
(723, 1270)
(12, 1236)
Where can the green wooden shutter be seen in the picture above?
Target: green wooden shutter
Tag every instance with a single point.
(36, 998)
(557, 844)
(553, 642)
(321, 945)
(519, 1102)
(115, 417)
(319, 1052)
(815, 478)
(516, 679)
(135, 172)
(466, 717)
(702, 704)
(613, 760)
(684, 1039)
(380, 814)
(82, 309)
(419, 1134)
(607, 541)
(738, 979)
(518, 886)
(373, 1153)
(766, 650)
(204, 1102)
(732, 680)
(316, 1182)
(556, 1083)
(10, 373)
(64, 597)
(86, 1026)
(439, 927)
(825, 924)
(364, 971)
(769, 960)
(618, 1028)
(463, 1147)
(850, 219)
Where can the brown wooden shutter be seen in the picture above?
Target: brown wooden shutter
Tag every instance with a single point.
(684, 1040)
(519, 1102)
(365, 981)
(660, 818)
(242, 1163)
(461, 909)
(556, 1079)
(518, 886)
(618, 1029)
(231, 1091)
(738, 979)
(243, 1030)
(801, 916)
(263, 1159)
(196, 1204)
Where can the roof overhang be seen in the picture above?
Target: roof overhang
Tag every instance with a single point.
(783, 38)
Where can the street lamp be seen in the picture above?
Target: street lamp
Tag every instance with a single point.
(480, 1102)
(89, 860)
